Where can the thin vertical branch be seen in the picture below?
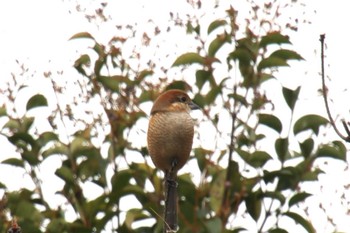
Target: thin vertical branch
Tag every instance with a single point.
(325, 98)
(225, 207)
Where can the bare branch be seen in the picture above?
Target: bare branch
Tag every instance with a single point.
(324, 92)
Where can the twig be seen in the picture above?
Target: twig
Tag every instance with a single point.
(324, 92)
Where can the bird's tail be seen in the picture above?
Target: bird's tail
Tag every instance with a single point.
(170, 210)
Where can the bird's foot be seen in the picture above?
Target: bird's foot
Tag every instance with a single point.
(171, 182)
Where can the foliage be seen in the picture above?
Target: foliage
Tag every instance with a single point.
(243, 176)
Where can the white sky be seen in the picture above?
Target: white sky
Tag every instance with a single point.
(36, 33)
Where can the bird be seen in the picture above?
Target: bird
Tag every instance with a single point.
(169, 139)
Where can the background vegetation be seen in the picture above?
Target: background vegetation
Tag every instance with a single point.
(250, 159)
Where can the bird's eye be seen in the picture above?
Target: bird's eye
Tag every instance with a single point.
(183, 99)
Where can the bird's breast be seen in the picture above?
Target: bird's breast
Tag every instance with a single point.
(170, 136)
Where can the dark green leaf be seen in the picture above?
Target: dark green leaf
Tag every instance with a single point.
(278, 230)
(133, 215)
(253, 204)
(216, 24)
(273, 38)
(270, 121)
(3, 111)
(36, 101)
(27, 122)
(335, 150)
(312, 175)
(271, 62)
(306, 147)
(281, 147)
(213, 225)
(14, 162)
(298, 197)
(217, 43)
(12, 125)
(291, 96)
(22, 139)
(65, 174)
(287, 178)
(57, 149)
(259, 158)
(200, 100)
(236, 230)
(202, 76)
(313, 122)
(112, 82)
(212, 95)
(182, 85)
(82, 35)
(275, 195)
(189, 59)
(244, 56)
(144, 73)
(239, 98)
(46, 137)
(302, 221)
(286, 54)
(83, 60)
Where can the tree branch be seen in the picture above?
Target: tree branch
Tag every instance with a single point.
(324, 92)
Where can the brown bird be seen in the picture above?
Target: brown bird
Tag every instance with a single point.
(170, 138)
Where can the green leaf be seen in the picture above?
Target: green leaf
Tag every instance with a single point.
(253, 204)
(12, 124)
(291, 96)
(36, 101)
(46, 137)
(213, 225)
(27, 122)
(82, 35)
(306, 147)
(278, 230)
(298, 197)
(57, 149)
(313, 122)
(14, 162)
(3, 111)
(212, 95)
(22, 139)
(216, 24)
(200, 100)
(270, 121)
(275, 195)
(287, 54)
(281, 147)
(134, 215)
(256, 159)
(65, 174)
(112, 82)
(144, 73)
(335, 150)
(217, 43)
(83, 60)
(239, 98)
(202, 76)
(270, 62)
(273, 38)
(300, 220)
(189, 59)
(182, 85)
(243, 55)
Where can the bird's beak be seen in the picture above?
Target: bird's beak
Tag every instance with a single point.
(193, 106)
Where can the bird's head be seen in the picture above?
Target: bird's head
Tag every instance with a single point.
(173, 101)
